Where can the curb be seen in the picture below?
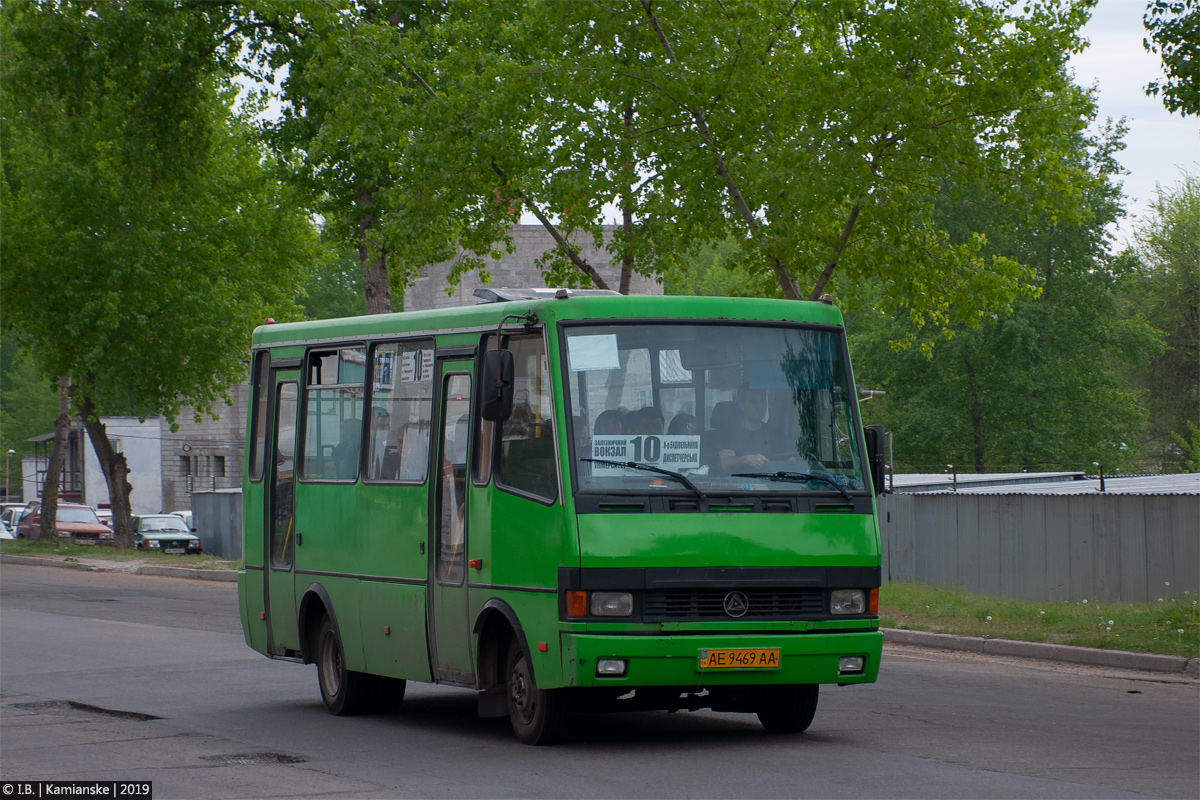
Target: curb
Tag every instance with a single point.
(1093, 656)
(225, 575)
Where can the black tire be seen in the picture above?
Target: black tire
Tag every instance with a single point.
(538, 716)
(788, 709)
(345, 693)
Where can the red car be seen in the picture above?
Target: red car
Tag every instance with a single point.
(76, 522)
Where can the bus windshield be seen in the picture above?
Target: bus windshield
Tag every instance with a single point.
(731, 407)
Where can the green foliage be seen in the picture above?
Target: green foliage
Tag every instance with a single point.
(335, 290)
(1039, 387)
(145, 232)
(816, 135)
(1166, 291)
(1174, 29)
(1169, 625)
(28, 406)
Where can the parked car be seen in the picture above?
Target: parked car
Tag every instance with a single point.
(9, 514)
(76, 522)
(166, 533)
(105, 515)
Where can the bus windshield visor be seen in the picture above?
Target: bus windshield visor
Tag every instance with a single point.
(732, 408)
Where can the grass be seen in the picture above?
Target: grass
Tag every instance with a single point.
(1169, 625)
(21, 547)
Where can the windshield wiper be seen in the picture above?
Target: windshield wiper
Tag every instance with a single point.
(684, 479)
(797, 477)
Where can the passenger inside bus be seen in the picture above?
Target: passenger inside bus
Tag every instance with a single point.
(608, 423)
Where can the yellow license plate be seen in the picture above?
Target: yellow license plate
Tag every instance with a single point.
(740, 658)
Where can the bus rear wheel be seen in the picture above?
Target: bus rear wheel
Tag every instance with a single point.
(538, 716)
(788, 709)
(345, 692)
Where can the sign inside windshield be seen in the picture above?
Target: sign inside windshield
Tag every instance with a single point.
(678, 453)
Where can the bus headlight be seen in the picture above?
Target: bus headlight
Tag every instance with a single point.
(612, 604)
(848, 601)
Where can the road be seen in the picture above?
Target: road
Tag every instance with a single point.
(232, 724)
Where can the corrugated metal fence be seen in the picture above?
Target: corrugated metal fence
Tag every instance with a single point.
(1045, 547)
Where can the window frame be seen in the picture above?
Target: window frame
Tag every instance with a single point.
(305, 387)
(496, 436)
(369, 407)
(564, 367)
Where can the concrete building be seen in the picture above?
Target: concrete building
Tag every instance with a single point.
(516, 270)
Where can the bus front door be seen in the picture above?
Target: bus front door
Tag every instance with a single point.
(283, 637)
(449, 625)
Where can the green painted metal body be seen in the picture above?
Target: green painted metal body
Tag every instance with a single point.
(364, 552)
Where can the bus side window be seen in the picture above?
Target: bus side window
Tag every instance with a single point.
(400, 409)
(333, 414)
(527, 458)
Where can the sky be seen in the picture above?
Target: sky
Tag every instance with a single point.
(1159, 145)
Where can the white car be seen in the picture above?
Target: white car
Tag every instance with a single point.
(186, 516)
(9, 514)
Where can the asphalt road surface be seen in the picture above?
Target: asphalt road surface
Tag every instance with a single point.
(213, 719)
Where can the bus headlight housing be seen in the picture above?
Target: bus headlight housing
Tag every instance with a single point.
(848, 601)
(612, 604)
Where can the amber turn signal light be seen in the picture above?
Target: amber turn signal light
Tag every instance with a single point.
(576, 604)
(873, 601)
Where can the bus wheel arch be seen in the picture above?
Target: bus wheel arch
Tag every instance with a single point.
(495, 626)
(315, 605)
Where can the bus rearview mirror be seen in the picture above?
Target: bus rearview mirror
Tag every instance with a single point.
(496, 385)
(875, 437)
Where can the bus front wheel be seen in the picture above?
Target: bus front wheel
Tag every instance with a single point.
(788, 709)
(344, 691)
(538, 716)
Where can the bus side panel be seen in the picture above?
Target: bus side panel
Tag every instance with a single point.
(521, 544)
(393, 526)
(250, 599)
(393, 629)
(252, 524)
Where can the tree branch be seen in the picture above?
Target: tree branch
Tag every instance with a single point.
(563, 245)
(819, 289)
(790, 290)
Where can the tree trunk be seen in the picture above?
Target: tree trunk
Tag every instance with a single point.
(376, 286)
(58, 454)
(116, 475)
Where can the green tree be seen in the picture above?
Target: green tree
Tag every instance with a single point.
(145, 232)
(335, 290)
(1040, 387)
(28, 404)
(1167, 292)
(815, 134)
(1174, 33)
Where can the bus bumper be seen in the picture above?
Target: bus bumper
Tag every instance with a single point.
(676, 660)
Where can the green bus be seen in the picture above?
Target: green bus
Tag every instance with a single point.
(568, 500)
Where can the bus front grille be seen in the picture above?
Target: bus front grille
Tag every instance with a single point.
(711, 604)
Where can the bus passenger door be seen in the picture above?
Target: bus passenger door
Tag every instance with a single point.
(280, 541)
(449, 625)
